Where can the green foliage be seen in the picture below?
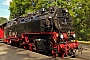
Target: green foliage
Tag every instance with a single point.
(79, 10)
(3, 20)
(20, 7)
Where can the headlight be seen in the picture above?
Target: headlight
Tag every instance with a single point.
(50, 17)
(74, 35)
(61, 36)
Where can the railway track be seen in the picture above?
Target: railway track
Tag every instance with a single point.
(8, 52)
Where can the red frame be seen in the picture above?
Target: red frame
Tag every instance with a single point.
(62, 48)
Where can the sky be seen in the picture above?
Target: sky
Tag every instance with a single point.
(4, 5)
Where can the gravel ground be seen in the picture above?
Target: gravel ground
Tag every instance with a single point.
(85, 52)
(8, 52)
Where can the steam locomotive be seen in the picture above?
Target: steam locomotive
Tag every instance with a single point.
(44, 31)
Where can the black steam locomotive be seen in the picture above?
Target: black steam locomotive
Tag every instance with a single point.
(43, 31)
(54, 20)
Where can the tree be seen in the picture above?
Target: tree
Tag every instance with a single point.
(21, 7)
(3, 20)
